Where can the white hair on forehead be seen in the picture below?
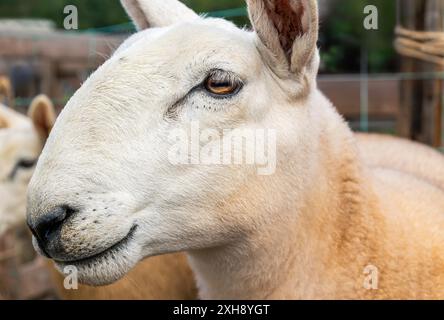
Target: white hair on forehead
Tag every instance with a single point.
(144, 35)
(151, 34)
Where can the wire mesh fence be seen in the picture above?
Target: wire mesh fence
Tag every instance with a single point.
(89, 48)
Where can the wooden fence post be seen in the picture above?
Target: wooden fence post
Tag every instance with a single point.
(421, 98)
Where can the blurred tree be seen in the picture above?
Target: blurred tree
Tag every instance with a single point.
(203, 6)
(96, 13)
(92, 13)
(342, 31)
(343, 36)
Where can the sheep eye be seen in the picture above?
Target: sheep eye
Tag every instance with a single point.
(22, 164)
(221, 84)
(25, 163)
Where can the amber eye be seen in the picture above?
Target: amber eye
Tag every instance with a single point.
(221, 83)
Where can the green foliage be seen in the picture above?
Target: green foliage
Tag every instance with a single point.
(203, 6)
(98, 13)
(344, 38)
(92, 13)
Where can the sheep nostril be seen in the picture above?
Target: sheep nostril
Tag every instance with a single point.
(46, 226)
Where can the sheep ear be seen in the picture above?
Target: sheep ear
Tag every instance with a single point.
(4, 123)
(6, 91)
(157, 13)
(42, 114)
(287, 31)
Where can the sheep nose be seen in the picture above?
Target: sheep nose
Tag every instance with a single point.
(47, 226)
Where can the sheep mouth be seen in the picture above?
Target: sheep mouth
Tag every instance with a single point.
(109, 252)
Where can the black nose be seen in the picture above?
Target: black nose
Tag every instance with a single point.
(47, 226)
